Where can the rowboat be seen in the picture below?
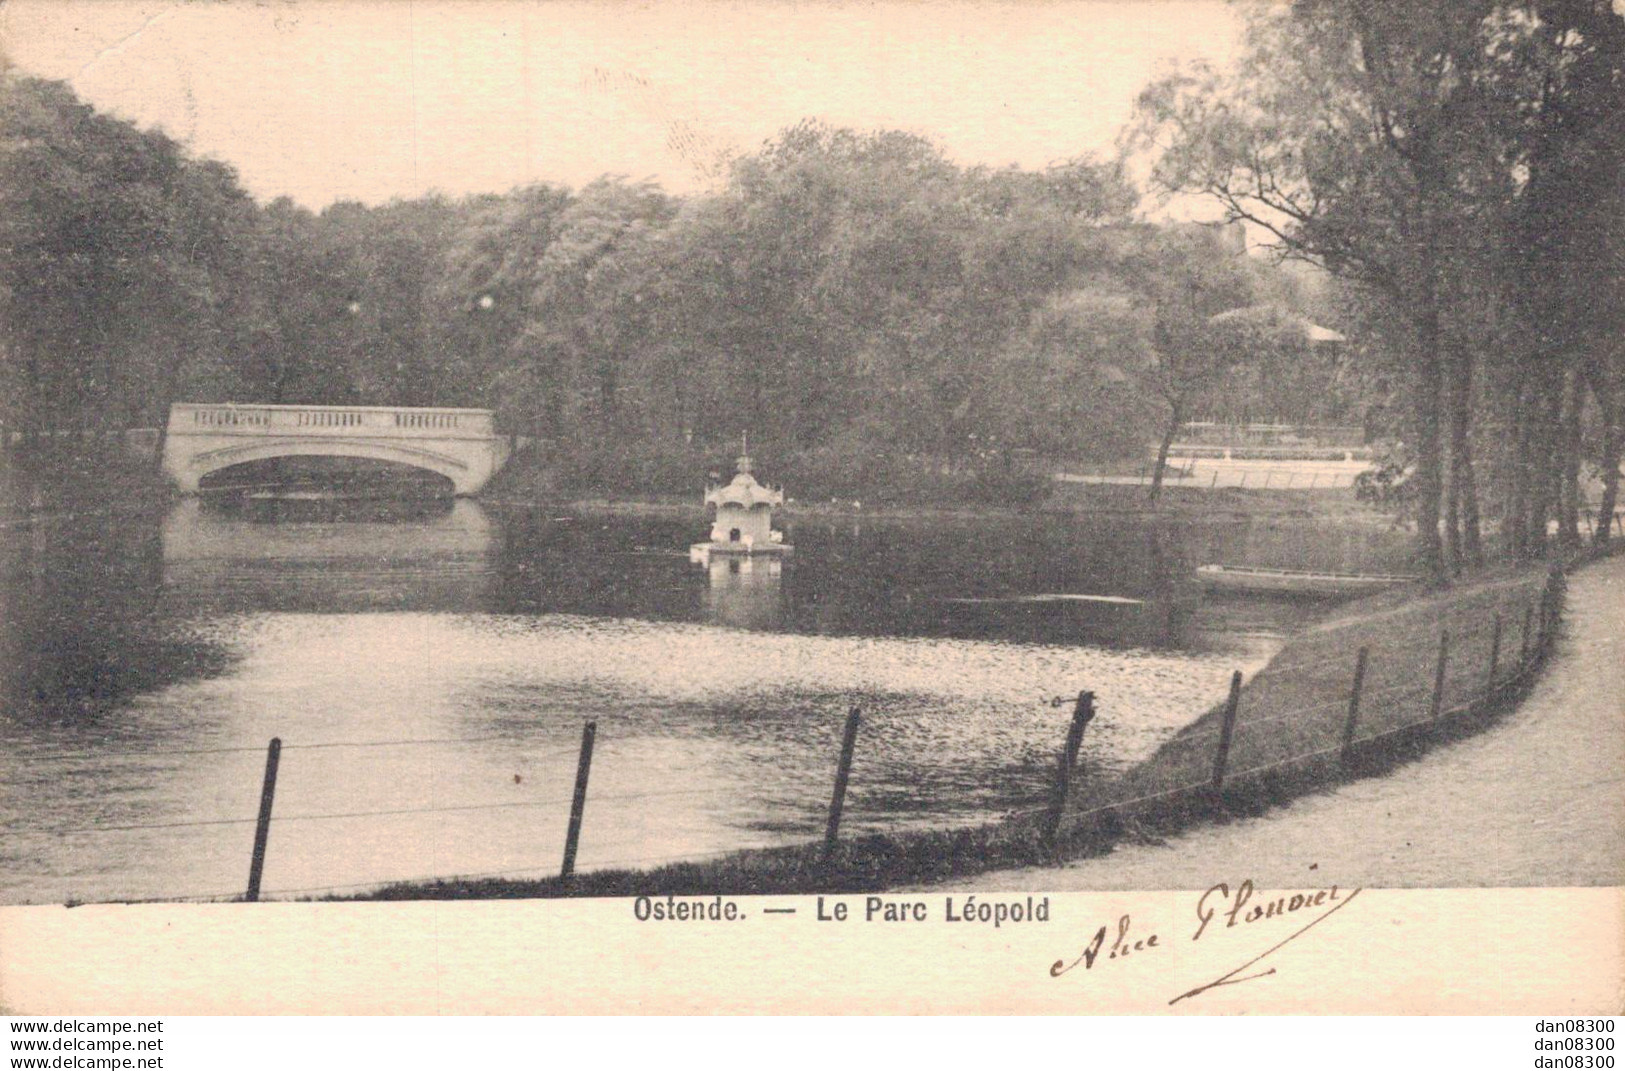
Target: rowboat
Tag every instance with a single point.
(1301, 583)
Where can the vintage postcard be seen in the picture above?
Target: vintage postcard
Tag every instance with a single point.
(980, 507)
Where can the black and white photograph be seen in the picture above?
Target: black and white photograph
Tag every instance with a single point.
(904, 460)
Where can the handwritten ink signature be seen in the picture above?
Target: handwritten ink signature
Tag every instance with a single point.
(1230, 978)
(1121, 946)
(1244, 907)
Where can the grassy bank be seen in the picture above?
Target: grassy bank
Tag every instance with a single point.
(1286, 739)
(1427, 676)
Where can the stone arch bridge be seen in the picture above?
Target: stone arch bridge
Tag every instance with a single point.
(459, 444)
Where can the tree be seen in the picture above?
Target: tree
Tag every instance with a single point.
(1188, 276)
(586, 295)
(1067, 386)
(1351, 134)
(393, 337)
(862, 283)
(119, 259)
(484, 296)
(304, 344)
(1564, 62)
(1443, 156)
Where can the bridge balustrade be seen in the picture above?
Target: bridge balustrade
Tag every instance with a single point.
(333, 420)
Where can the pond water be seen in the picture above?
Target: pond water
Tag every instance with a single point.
(429, 667)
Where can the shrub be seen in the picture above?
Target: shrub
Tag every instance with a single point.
(1387, 483)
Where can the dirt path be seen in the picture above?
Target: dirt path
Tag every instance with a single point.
(1537, 800)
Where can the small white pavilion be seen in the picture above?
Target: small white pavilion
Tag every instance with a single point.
(743, 523)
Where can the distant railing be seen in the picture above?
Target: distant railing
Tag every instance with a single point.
(385, 421)
(426, 420)
(1270, 434)
(1300, 452)
(229, 417)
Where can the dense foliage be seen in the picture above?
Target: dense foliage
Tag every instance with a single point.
(872, 314)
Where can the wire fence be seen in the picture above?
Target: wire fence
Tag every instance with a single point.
(1320, 714)
(1389, 691)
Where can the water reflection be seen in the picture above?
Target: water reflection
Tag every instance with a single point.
(82, 629)
(744, 592)
(930, 578)
(244, 555)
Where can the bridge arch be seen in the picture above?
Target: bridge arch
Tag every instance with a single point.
(349, 471)
(433, 461)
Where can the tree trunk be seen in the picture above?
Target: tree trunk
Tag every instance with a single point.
(1467, 550)
(608, 398)
(542, 398)
(163, 441)
(1429, 381)
(1450, 490)
(1568, 461)
(1512, 516)
(1544, 469)
(1175, 419)
(1613, 440)
(1538, 417)
(1472, 535)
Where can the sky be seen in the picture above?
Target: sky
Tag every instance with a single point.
(376, 99)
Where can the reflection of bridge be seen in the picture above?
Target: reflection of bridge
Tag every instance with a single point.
(459, 444)
(327, 557)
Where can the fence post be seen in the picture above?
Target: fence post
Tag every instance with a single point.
(1438, 675)
(1354, 704)
(1540, 626)
(1082, 714)
(578, 802)
(849, 742)
(1226, 730)
(1523, 646)
(262, 828)
(1495, 655)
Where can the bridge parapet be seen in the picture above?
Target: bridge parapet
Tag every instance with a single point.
(187, 418)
